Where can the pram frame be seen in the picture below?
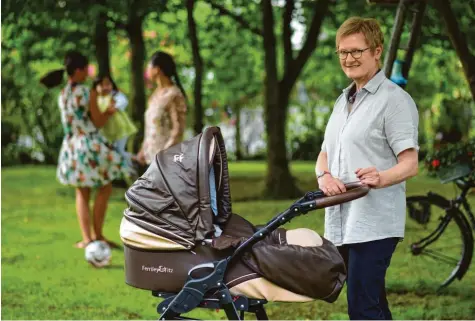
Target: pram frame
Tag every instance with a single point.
(193, 292)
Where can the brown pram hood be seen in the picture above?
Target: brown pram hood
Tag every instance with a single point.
(172, 198)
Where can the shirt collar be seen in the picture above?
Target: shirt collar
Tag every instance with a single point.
(372, 85)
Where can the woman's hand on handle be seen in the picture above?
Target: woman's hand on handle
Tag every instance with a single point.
(327, 183)
(331, 185)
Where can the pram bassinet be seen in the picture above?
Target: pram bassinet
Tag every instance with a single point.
(177, 239)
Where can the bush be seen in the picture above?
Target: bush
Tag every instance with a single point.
(10, 132)
(259, 155)
(14, 154)
(451, 156)
(307, 147)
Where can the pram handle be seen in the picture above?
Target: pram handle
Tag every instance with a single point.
(317, 200)
(319, 193)
(311, 201)
(354, 191)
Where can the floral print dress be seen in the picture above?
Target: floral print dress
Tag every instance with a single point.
(86, 158)
(158, 123)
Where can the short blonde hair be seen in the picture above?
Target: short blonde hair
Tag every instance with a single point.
(369, 27)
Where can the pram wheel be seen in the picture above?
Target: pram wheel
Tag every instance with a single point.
(239, 304)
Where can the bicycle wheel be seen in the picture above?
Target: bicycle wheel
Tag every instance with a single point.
(438, 244)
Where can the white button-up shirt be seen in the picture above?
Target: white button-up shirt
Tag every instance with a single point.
(382, 123)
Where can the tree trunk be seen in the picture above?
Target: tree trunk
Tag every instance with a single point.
(237, 137)
(138, 99)
(413, 42)
(459, 42)
(101, 42)
(279, 182)
(198, 63)
(395, 37)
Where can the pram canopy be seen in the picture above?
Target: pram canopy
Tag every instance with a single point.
(172, 198)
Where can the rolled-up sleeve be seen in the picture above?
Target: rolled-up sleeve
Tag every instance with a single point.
(323, 148)
(401, 124)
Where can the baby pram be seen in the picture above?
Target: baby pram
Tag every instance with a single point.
(183, 242)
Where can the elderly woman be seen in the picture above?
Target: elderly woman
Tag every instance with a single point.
(371, 136)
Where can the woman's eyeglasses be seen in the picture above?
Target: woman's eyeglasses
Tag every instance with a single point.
(357, 53)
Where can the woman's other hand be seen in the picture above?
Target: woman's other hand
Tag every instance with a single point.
(369, 176)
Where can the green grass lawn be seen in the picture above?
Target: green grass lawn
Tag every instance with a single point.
(44, 277)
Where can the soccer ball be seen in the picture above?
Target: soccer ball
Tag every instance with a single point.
(98, 253)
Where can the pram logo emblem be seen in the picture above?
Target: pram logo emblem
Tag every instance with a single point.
(159, 269)
(178, 157)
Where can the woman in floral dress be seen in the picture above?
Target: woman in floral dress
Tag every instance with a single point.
(165, 118)
(86, 160)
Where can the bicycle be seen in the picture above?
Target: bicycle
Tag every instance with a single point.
(448, 244)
